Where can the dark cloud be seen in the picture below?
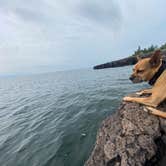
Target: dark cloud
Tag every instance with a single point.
(103, 12)
(26, 10)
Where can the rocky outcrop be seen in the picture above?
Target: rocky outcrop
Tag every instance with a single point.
(119, 63)
(125, 62)
(130, 137)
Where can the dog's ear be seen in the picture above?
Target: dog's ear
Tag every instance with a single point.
(138, 58)
(155, 59)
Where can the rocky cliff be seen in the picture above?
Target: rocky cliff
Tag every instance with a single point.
(126, 61)
(130, 137)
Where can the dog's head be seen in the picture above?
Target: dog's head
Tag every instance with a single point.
(146, 68)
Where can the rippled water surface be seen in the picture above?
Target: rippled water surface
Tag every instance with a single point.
(52, 119)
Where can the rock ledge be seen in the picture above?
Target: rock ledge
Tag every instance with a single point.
(130, 137)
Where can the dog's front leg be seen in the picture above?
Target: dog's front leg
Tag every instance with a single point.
(156, 112)
(149, 101)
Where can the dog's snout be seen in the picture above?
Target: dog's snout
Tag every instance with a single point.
(131, 78)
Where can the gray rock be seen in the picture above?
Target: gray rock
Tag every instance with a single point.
(131, 137)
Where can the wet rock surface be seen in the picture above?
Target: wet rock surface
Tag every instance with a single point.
(130, 137)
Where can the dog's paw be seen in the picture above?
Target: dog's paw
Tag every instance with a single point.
(127, 98)
(148, 109)
(139, 93)
(152, 110)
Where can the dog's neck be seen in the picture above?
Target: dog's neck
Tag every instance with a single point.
(157, 74)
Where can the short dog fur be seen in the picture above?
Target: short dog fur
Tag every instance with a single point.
(153, 70)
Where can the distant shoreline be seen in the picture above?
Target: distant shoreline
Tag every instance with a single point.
(131, 60)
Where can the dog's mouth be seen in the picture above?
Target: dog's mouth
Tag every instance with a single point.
(136, 80)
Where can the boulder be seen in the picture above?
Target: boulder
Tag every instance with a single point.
(130, 137)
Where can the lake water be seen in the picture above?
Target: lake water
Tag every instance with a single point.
(52, 119)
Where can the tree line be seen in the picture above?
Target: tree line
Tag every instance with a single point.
(150, 49)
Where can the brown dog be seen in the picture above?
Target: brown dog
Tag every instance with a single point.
(151, 69)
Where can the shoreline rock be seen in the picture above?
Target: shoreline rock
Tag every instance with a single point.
(130, 137)
(131, 60)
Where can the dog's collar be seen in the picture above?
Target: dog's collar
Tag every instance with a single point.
(159, 72)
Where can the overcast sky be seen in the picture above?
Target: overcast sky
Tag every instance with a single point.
(49, 35)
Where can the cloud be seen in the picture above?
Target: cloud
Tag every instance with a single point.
(61, 34)
(105, 13)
